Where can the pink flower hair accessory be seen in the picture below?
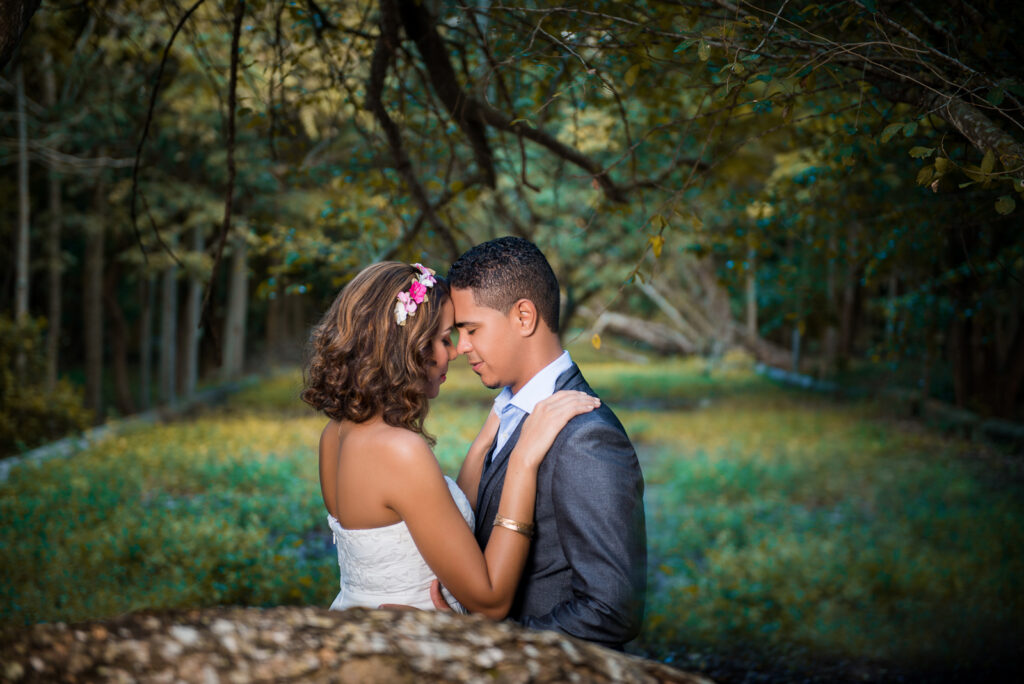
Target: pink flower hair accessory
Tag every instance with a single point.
(409, 300)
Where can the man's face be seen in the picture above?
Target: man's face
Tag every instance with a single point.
(489, 340)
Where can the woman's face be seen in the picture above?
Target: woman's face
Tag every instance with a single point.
(442, 351)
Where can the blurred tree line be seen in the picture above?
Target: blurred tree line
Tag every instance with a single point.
(832, 186)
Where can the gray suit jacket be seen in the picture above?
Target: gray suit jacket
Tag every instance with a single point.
(586, 574)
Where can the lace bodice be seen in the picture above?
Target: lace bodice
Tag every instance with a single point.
(382, 564)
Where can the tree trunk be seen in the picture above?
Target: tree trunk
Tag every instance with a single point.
(168, 332)
(830, 343)
(960, 358)
(751, 304)
(192, 331)
(688, 330)
(276, 322)
(851, 294)
(1011, 378)
(890, 317)
(148, 303)
(795, 351)
(21, 249)
(14, 18)
(53, 260)
(118, 345)
(297, 326)
(92, 306)
(234, 322)
(660, 337)
(719, 311)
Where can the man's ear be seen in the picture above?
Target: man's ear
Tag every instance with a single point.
(523, 316)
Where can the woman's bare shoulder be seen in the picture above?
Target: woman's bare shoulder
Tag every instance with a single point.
(402, 447)
(389, 445)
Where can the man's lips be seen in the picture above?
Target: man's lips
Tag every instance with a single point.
(476, 366)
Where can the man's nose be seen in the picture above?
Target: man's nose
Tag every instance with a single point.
(463, 347)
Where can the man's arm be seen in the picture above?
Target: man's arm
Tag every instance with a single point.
(598, 497)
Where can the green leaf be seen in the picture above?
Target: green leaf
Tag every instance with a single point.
(989, 162)
(1005, 204)
(995, 96)
(921, 152)
(703, 50)
(942, 164)
(657, 242)
(889, 131)
(925, 175)
(684, 45)
(631, 74)
(974, 173)
(910, 129)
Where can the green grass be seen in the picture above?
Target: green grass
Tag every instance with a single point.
(778, 521)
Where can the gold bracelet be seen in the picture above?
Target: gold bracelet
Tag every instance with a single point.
(525, 529)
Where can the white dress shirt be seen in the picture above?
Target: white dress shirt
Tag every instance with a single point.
(511, 409)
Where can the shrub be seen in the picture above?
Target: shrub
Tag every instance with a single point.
(29, 414)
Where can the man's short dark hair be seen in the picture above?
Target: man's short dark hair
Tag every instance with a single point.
(502, 271)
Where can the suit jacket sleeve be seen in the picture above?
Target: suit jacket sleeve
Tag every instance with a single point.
(597, 490)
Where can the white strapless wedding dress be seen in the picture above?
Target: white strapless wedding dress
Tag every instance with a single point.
(382, 564)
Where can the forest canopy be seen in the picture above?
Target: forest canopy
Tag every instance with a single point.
(833, 186)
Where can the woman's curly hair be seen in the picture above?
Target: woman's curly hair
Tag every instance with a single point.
(361, 363)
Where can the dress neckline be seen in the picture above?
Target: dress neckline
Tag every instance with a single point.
(332, 519)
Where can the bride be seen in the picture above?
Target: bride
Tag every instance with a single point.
(377, 356)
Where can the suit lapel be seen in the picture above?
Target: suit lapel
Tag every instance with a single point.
(486, 491)
(498, 463)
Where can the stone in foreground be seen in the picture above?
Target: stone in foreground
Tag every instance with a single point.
(312, 645)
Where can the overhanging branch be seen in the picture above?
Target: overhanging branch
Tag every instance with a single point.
(977, 128)
(383, 51)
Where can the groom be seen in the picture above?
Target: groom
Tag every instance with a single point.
(586, 572)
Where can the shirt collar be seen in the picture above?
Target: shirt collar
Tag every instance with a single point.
(540, 387)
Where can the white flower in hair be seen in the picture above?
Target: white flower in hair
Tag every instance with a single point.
(409, 300)
(426, 276)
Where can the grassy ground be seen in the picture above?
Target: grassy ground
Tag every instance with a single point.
(782, 526)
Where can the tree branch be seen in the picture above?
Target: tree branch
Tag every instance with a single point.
(420, 28)
(977, 128)
(145, 132)
(229, 191)
(386, 45)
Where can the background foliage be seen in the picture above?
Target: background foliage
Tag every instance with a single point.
(832, 186)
